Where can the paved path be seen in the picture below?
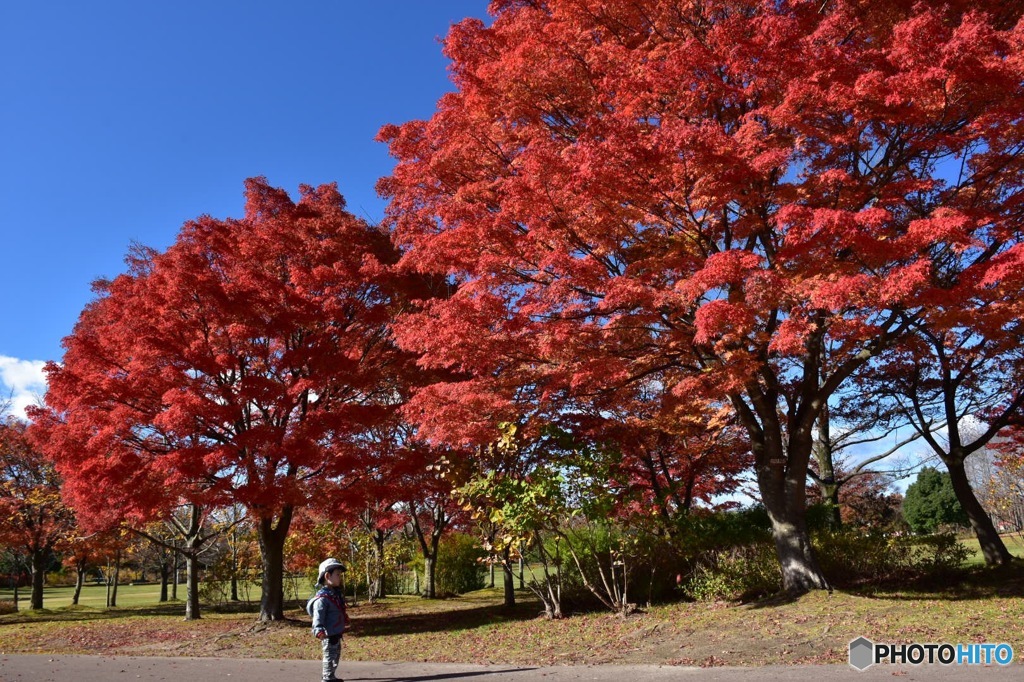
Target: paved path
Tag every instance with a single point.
(52, 668)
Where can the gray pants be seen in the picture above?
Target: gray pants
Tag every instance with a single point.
(332, 655)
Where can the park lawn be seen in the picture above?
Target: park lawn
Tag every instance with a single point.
(94, 596)
(1013, 541)
(128, 595)
(988, 606)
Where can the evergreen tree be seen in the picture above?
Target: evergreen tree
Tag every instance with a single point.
(931, 502)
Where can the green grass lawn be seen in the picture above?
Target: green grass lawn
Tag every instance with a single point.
(131, 595)
(1014, 542)
(94, 596)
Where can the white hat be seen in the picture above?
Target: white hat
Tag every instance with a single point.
(327, 565)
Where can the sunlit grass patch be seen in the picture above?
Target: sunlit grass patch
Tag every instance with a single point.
(1014, 543)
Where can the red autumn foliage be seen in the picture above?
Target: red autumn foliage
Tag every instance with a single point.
(672, 455)
(712, 192)
(866, 500)
(33, 517)
(246, 363)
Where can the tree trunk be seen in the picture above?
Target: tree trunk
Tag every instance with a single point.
(428, 577)
(429, 549)
(192, 583)
(79, 582)
(549, 590)
(830, 498)
(992, 547)
(826, 470)
(784, 498)
(233, 542)
(117, 578)
(192, 534)
(165, 571)
(553, 609)
(112, 592)
(174, 573)
(376, 586)
(800, 570)
(39, 558)
(234, 565)
(510, 586)
(272, 550)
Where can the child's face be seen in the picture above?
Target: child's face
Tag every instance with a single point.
(333, 577)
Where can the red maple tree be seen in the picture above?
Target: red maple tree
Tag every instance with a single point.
(33, 517)
(244, 364)
(724, 193)
(80, 553)
(390, 496)
(672, 454)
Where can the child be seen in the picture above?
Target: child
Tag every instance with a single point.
(327, 607)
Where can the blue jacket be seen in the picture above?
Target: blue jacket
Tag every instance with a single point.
(327, 607)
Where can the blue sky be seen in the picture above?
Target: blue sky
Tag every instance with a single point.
(120, 120)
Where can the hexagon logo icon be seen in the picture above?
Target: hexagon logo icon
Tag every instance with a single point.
(862, 653)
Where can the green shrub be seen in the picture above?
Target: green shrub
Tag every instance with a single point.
(459, 569)
(606, 554)
(709, 586)
(850, 556)
(656, 565)
(737, 573)
(819, 517)
(700, 532)
(938, 554)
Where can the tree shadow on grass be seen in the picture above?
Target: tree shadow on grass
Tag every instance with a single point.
(771, 601)
(87, 613)
(972, 583)
(398, 623)
(967, 584)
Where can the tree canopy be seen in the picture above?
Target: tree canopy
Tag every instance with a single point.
(33, 517)
(744, 200)
(247, 363)
(651, 244)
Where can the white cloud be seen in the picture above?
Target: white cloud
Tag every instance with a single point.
(22, 382)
